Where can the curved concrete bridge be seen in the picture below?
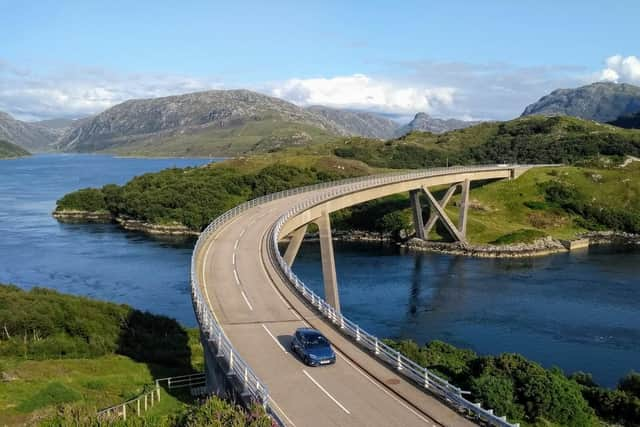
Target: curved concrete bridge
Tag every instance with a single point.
(248, 303)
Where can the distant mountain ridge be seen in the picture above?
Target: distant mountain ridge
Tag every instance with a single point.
(209, 123)
(425, 123)
(602, 102)
(357, 123)
(30, 136)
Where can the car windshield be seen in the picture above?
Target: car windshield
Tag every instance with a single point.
(315, 340)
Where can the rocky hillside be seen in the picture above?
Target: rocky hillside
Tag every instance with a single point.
(425, 123)
(602, 102)
(9, 150)
(30, 136)
(218, 122)
(357, 123)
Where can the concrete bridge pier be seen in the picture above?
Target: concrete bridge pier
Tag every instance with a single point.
(416, 208)
(294, 245)
(328, 261)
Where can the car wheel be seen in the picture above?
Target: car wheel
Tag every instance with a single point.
(307, 361)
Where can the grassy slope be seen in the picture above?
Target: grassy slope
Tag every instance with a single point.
(9, 150)
(36, 387)
(253, 136)
(505, 201)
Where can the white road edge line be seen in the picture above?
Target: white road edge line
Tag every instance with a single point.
(246, 300)
(281, 411)
(234, 259)
(235, 275)
(387, 392)
(235, 246)
(274, 338)
(326, 392)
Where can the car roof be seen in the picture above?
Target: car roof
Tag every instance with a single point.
(309, 331)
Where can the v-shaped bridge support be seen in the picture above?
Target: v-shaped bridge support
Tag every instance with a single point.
(438, 213)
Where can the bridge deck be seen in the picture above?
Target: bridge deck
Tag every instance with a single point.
(258, 313)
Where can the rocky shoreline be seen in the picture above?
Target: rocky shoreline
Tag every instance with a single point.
(78, 216)
(540, 247)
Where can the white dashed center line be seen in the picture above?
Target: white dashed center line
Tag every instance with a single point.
(246, 300)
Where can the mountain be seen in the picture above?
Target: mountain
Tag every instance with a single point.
(357, 123)
(27, 135)
(9, 150)
(602, 102)
(217, 122)
(425, 123)
(628, 121)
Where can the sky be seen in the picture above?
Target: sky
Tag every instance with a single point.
(463, 59)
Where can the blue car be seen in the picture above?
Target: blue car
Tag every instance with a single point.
(312, 347)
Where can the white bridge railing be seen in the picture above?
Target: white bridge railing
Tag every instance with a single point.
(245, 379)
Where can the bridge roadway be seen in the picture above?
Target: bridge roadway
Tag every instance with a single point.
(259, 313)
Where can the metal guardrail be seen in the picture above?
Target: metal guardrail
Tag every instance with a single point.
(249, 382)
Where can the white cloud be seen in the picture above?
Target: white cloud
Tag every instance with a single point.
(359, 91)
(82, 92)
(621, 70)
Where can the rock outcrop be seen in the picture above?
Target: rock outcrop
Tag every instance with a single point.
(602, 102)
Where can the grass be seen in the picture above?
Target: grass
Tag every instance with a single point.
(251, 137)
(38, 386)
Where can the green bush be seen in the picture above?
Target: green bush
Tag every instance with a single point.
(44, 324)
(510, 384)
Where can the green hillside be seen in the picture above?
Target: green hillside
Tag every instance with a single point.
(9, 150)
(251, 137)
(62, 357)
(532, 139)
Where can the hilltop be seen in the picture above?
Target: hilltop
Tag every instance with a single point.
(425, 123)
(9, 150)
(602, 102)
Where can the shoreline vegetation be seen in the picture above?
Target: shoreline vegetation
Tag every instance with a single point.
(67, 355)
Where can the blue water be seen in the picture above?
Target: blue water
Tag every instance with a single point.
(576, 311)
(579, 311)
(100, 260)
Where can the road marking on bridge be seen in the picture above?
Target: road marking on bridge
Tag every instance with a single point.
(385, 391)
(246, 300)
(233, 260)
(243, 231)
(274, 338)
(235, 246)
(235, 275)
(326, 392)
(281, 411)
